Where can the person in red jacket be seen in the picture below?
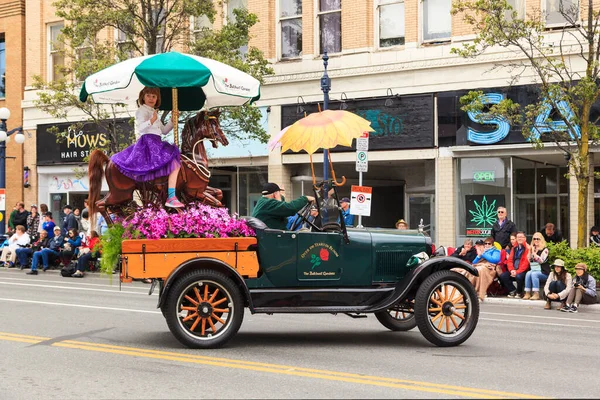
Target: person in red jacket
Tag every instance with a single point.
(517, 265)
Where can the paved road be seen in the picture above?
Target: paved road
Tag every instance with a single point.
(83, 338)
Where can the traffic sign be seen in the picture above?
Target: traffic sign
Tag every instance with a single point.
(362, 161)
(362, 144)
(360, 200)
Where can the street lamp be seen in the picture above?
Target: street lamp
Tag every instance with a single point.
(4, 135)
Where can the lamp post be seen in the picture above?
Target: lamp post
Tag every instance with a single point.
(19, 138)
(325, 87)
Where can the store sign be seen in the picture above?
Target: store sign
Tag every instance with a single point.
(482, 213)
(484, 176)
(77, 142)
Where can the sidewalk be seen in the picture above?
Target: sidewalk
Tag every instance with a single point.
(536, 304)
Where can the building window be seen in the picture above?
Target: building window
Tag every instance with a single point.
(200, 25)
(391, 22)
(125, 46)
(518, 6)
(561, 12)
(330, 26)
(56, 60)
(159, 15)
(437, 20)
(290, 17)
(2, 66)
(233, 5)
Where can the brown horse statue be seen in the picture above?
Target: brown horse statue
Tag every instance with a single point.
(192, 181)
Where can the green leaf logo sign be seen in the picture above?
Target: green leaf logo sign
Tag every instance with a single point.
(484, 214)
(315, 261)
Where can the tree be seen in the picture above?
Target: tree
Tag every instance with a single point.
(564, 64)
(143, 27)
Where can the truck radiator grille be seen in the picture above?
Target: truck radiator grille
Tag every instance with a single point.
(390, 265)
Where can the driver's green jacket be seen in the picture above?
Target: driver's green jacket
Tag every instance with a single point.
(274, 213)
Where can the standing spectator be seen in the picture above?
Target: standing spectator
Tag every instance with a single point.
(11, 219)
(595, 236)
(466, 252)
(517, 265)
(502, 228)
(539, 269)
(402, 225)
(19, 239)
(558, 285)
(23, 253)
(33, 223)
(348, 218)
(85, 221)
(551, 234)
(77, 214)
(101, 224)
(70, 222)
(583, 291)
(48, 225)
(21, 215)
(43, 211)
(45, 254)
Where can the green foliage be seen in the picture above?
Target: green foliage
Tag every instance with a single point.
(588, 255)
(111, 242)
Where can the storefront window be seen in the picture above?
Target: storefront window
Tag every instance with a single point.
(251, 181)
(484, 186)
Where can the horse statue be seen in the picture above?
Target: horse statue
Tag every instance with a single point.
(192, 181)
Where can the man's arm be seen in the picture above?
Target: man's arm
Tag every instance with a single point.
(284, 209)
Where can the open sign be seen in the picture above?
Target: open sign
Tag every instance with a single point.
(484, 176)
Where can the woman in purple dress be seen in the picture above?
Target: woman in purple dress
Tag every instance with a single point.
(150, 157)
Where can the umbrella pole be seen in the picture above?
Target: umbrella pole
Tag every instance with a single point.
(175, 116)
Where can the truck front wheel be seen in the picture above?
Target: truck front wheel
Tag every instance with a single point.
(204, 309)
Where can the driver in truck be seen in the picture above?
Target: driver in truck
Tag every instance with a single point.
(273, 210)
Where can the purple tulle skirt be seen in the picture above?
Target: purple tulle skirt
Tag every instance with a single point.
(149, 158)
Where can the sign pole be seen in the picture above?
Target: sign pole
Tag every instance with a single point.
(360, 216)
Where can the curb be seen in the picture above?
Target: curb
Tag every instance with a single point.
(535, 303)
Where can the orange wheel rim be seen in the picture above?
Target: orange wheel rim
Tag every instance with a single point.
(447, 309)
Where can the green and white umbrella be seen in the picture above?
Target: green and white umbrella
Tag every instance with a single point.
(198, 82)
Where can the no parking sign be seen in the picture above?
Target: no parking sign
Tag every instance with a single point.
(360, 200)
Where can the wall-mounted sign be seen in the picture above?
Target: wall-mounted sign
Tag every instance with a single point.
(482, 213)
(484, 176)
(77, 144)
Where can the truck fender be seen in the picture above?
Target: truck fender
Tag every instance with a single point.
(206, 263)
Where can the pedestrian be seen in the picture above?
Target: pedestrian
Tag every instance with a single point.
(43, 210)
(85, 221)
(33, 222)
(551, 234)
(583, 290)
(348, 218)
(502, 228)
(466, 252)
(272, 208)
(595, 236)
(151, 157)
(539, 269)
(21, 215)
(69, 222)
(77, 214)
(517, 266)
(558, 285)
(402, 225)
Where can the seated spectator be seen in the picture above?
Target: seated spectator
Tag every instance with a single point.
(46, 254)
(558, 285)
(401, 225)
(466, 252)
(486, 261)
(71, 247)
(517, 266)
(551, 234)
(595, 236)
(87, 253)
(539, 269)
(583, 290)
(23, 253)
(19, 239)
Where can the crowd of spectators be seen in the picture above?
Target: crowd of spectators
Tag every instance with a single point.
(35, 241)
(523, 270)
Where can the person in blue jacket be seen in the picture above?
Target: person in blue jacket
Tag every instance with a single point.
(348, 218)
(54, 246)
(488, 257)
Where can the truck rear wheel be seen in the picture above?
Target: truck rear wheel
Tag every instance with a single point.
(399, 317)
(204, 309)
(446, 308)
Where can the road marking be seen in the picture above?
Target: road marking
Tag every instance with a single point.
(537, 323)
(80, 306)
(71, 288)
(544, 317)
(76, 282)
(272, 368)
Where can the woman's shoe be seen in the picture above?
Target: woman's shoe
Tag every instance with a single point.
(527, 296)
(173, 202)
(535, 296)
(77, 274)
(548, 305)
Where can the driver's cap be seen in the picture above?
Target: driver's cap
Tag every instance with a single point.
(270, 188)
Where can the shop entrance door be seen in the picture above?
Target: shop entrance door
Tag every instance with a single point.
(421, 206)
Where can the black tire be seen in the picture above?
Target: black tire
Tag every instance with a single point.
(448, 297)
(399, 318)
(214, 319)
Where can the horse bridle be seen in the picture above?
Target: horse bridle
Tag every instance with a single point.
(201, 168)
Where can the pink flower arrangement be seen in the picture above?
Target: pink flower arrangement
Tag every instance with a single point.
(197, 220)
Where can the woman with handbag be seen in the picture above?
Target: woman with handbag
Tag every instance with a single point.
(539, 269)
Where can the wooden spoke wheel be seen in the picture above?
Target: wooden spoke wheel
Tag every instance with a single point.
(204, 309)
(446, 308)
(399, 317)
